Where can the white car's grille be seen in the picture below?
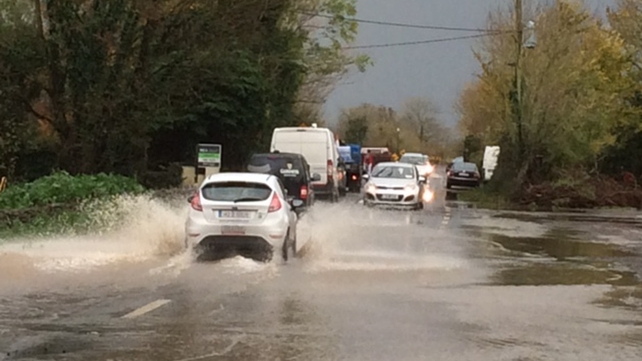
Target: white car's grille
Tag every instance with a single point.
(390, 188)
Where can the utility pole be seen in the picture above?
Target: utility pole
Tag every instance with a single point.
(519, 34)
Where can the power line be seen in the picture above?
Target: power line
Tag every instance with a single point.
(420, 42)
(405, 25)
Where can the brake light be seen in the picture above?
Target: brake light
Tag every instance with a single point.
(354, 177)
(275, 204)
(196, 203)
(304, 192)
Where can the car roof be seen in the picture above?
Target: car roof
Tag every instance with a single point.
(394, 164)
(414, 154)
(279, 154)
(238, 176)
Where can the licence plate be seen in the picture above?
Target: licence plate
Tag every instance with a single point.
(388, 196)
(235, 214)
(233, 230)
(463, 174)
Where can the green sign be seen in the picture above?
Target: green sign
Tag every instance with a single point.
(209, 155)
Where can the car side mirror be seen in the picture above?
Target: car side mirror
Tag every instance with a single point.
(422, 179)
(365, 176)
(297, 203)
(316, 177)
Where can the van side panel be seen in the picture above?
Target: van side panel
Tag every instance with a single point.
(314, 145)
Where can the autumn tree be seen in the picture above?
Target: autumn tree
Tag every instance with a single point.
(626, 152)
(574, 85)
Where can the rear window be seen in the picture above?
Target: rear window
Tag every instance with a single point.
(282, 167)
(413, 159)
(236, 192)
(470, 167)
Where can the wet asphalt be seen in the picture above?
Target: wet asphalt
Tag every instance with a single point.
(450, 282)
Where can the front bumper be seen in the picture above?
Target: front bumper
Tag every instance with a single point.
(402, 199)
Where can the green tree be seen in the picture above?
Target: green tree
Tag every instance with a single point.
(574, 83)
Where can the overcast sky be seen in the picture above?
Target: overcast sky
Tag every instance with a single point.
(438, 71)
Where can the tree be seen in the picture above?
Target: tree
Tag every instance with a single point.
(574, 86)
(420, 114)
(118, 83)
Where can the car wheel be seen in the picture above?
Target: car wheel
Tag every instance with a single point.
(293, 245)
(285, 247)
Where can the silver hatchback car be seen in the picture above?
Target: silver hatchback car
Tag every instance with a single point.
(395, 185)
(242, 213)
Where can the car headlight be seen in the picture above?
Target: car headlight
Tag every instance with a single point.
(411, 187)
(370, 188)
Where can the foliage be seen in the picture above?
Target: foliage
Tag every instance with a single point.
(64, 188)
(575, 87)
(418, 128)
(110, 86)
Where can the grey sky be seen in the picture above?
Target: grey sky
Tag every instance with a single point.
(438, 70)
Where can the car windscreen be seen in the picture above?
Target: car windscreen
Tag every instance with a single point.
(285, 168)
(236, 192)
(393, 172)
(466, 167)
(413, 159)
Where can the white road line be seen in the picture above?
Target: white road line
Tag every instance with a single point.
(147, 308)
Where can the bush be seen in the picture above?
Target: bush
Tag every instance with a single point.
(63, 188)
(166, 177)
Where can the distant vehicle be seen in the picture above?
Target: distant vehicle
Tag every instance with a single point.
(294, 172)
(463, 174)
(374, 150)
(491, 157)
(397, 185)
(421, 161)
(455, 160)
(319, 148)
(242, 213)
(352, 157)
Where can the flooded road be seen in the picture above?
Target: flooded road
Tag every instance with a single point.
(448, 283)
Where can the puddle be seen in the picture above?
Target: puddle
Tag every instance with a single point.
(566, 274)
(560, 244)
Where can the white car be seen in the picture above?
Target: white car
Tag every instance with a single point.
(420, 161)
(242, 213)
(396, 185)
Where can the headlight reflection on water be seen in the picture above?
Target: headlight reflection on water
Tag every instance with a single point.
(428, 195)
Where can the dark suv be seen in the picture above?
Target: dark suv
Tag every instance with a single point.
(292, 169)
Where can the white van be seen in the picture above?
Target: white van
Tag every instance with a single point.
(319, 148)
(491, 156)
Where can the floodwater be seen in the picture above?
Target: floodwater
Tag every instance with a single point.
(446, 283)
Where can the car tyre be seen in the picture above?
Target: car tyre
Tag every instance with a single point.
(286, 246)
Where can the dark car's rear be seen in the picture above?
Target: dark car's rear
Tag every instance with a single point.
(292, 169)
(463, 174)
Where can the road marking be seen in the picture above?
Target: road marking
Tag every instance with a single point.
(147, 308)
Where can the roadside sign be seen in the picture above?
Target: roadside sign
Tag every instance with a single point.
(209, 155)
